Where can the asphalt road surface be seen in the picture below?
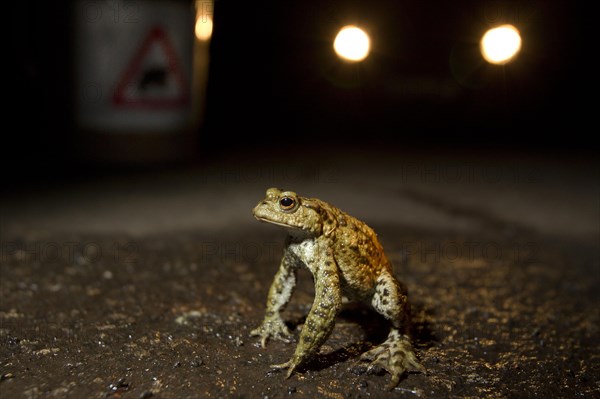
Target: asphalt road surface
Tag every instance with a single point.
(147, 284)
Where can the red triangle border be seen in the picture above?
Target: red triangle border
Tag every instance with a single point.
(156, 34)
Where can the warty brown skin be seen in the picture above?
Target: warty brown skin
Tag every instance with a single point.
(345, 258)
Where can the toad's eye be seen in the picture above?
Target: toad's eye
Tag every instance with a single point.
(287, 203)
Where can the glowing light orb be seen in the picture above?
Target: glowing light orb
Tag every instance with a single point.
(500, 45)
(204, 27)
(352, 44)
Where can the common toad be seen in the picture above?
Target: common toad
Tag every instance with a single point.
(345, 258)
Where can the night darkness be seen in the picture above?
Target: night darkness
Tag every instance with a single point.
(274, 80)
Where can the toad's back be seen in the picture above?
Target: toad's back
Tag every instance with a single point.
(359, 256)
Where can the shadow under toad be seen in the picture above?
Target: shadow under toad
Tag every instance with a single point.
(375, 330)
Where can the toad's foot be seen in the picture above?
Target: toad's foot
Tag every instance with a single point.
(272, 327)
(290, 365)
(396, 355)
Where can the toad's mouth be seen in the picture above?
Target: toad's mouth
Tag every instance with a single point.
(265, 220)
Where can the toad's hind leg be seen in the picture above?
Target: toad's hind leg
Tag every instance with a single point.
(396, 354)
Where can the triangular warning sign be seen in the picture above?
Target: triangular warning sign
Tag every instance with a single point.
(154, 77)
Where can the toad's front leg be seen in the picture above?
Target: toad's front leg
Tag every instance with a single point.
(280, 293)
(321, 318)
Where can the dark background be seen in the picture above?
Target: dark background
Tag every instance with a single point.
(273, 71)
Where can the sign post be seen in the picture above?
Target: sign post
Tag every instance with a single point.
(139, 90)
